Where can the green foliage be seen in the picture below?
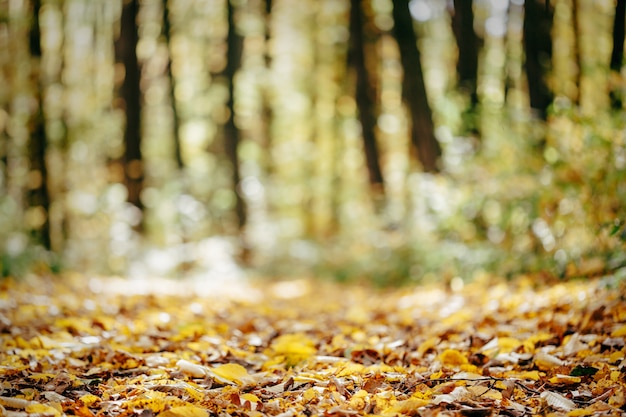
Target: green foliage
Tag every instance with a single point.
(33, 259)
(555, 205)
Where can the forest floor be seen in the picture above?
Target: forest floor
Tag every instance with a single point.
(109, 347)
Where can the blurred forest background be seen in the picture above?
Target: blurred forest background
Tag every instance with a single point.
(384, 140)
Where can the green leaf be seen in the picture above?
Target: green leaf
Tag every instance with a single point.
(617, 226)
(583, 371)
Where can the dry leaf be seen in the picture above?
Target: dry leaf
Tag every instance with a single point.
(184, 411)
(230, 373)
(557, 401)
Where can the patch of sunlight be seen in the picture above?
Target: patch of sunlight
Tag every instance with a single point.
(421, 10)
(83, 202)
(195, 134)
(496, 24)
(291, 289)
(190, 207)
(389, 123)
(252, 188)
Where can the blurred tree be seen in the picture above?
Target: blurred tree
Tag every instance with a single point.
(266, 108)
(130, 93)
(231, 131)
(538, 16)
(414, 90)
(468, 46)
(167, 29)
(38, 199)
(365, 96)
(617, 55)
(577, 54)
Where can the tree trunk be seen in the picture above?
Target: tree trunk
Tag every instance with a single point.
(231, 132)
(130, 93)
(266, 96)
(414, 90)
(577, 55)
(364, 96)
(37, 194)
(617, 55)
(468, 44)
(175, 117)
(538, 49)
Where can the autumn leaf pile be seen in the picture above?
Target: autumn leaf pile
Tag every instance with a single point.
(98, 347)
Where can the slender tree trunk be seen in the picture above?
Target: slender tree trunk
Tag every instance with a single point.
(266, 105)
(37, 195)
(364, 96)
(617, 55)
(175, 117)
(577, 54)
(538, 49)
(130, 92)
(414, 90)
(468, 44)
(231, 132)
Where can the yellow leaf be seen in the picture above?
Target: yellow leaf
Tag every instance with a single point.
(436, 375)
(468, 367)
(384, 400)
(230, 372)
(580, 412)
(619, 332)
(309, 394)
(89, 399)
(294, 348)
(564, 379)
(616, 356)
(533, 375)
(461, 316)
(423, 395)
(155, 402)
(42, 377)
(452, 357)
(189, 331)
(405, 407)
(532, 341)
(508, 344)
(350, 369)
(359, 400)
(615, 375)
(43, 409)
(22, 343)
(250, 397)
(184, 411)
(428, 344)
(500, 385)
(75, 324)
(194, 393)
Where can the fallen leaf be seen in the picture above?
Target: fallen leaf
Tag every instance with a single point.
(189, 368)
(545, 361)
(557, 401)
(230, 373)
(184, 411)
(452, 357)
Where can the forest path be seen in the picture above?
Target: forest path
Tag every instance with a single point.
(109, 346)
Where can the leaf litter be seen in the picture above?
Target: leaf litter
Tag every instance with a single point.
(90, 348)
